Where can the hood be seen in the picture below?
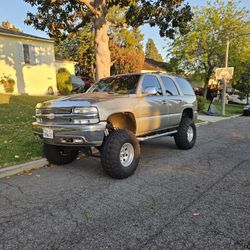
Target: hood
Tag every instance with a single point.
(80, 100)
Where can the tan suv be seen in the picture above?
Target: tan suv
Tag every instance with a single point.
(114, 116)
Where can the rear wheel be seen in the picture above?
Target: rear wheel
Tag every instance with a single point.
(186, 135)
(59, 155)
(120, 154)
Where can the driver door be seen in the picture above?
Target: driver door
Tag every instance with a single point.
(151, 111)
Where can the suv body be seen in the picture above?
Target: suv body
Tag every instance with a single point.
(142, 105)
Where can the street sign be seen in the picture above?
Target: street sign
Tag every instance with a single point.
(224, 73)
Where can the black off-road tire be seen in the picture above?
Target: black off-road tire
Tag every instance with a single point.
(59, 155)
(110, 154)
(181, 137)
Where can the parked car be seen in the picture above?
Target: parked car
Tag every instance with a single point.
(88, 82)
(78, 85)
(236, 99)
(246, 110)
(116, 114)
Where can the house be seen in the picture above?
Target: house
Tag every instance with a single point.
(151, 65)
(30, 61)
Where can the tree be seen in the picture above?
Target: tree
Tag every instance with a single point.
(243, 84)
(79, 47)
(126, 49)
(60, 17)
(125, 45)
(203, 49)
(152, 52)
(9, 26)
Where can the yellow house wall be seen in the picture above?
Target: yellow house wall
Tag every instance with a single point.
(35, 78)
(70, 66)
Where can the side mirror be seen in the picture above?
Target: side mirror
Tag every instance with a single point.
(150, 91)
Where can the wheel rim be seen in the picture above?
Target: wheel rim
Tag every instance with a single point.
(127, 154)
(190, 134)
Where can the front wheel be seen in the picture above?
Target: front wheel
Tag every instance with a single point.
(59, 155)
(120, 154)
(186, 135)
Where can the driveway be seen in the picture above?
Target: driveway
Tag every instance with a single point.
(196, 199)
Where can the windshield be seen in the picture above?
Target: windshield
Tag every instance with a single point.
(124, 85)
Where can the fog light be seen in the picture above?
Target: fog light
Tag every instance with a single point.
(39, 120)
(79, 121)
(77, 140)
(85, 121)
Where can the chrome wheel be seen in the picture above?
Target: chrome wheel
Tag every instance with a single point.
(127, 154)
(190, 134)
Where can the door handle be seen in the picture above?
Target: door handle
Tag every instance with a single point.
(164, 102)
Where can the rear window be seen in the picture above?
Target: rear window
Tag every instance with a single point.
(185, 86)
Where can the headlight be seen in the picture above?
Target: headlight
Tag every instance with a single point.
(85, 110)
(85, 115)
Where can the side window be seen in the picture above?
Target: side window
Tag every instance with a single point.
(26, 53)
(169, 86)
(29, 54)
(185, 86)
(151, 81)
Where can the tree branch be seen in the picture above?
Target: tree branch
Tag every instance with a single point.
(87, 4)
(90, 7)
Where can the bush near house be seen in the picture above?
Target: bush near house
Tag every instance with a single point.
(200, 103)
(8, 83)
(17, 142)
(64, 82)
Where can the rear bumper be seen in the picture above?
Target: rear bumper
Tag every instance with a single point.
(72, 135)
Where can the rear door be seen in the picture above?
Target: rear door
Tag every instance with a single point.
(173, 100)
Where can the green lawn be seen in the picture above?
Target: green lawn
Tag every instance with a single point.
(17, 142)
(230, 109)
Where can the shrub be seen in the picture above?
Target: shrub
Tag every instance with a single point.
(200, 103)
(64, 82)
(8, 83)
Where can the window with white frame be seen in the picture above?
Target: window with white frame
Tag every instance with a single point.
(29, 54)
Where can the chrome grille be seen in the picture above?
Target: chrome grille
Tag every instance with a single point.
(61, 116)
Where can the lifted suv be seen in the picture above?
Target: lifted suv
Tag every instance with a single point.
(114, 116)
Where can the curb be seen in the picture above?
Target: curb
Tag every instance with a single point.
(222, 119)
(13, 170)
(201, 123)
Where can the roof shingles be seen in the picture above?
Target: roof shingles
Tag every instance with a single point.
(21, 34)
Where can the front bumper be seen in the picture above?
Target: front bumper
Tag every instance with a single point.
(72, 135)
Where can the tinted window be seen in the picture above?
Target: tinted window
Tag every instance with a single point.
(151, 81)
(185, 86)
(169, 86)
(26, 53)
(126, 84)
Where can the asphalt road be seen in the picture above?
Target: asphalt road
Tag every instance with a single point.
(196, 199)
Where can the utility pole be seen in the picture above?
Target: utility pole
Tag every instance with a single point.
(224, 83)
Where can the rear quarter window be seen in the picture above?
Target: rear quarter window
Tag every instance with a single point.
(185, 86)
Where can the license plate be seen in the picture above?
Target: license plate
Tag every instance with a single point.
(48, 133)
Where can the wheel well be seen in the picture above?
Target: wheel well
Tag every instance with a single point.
(125, 120)
(187, 113)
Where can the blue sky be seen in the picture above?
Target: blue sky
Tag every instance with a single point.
(15, 12)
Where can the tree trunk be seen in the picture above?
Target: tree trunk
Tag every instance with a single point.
(102, 52)
(205, 88)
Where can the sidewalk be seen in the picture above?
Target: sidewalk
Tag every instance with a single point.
(209, 118)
